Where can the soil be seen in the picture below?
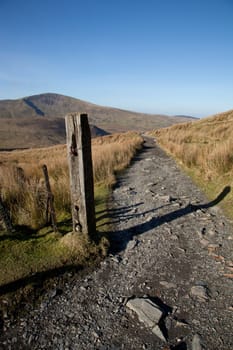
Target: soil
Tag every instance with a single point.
(169, 244)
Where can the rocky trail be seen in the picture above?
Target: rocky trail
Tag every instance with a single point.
(167, 283)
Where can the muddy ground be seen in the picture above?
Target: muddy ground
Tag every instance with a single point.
(169, 244)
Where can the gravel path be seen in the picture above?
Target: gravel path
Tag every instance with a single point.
(170, 245)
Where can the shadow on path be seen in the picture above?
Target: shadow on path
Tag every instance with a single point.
(125, 213)
(119, 239)
(38, 278)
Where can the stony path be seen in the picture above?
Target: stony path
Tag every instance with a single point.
(170, 245)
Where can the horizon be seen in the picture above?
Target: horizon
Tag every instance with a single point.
(156, 58)
(110, 106)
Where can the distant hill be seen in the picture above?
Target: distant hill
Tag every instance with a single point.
(39, 120)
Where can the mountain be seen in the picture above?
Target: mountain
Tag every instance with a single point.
(38, 120)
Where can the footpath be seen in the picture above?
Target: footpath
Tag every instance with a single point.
(166, 284)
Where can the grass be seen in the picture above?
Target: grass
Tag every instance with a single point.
(22, 183)
(34, 248)
(205, 149)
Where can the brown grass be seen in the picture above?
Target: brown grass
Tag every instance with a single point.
(205, 149)
(26, 201)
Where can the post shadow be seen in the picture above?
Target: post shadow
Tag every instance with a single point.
(119, 239)
(38, 278)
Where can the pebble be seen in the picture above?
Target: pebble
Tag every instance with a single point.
(168, 285)
(200, 292)
(204, 242)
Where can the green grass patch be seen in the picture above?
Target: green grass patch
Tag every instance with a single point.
(213, 187)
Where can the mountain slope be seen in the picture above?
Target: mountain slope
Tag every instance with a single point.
(39, 120)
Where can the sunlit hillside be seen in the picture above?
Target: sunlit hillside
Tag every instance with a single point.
(205, 148)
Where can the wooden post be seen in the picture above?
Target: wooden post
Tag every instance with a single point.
(20, 176)
(81, 173)
(50, 210)
(4, 217)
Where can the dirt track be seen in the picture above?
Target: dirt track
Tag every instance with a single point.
(170, 244)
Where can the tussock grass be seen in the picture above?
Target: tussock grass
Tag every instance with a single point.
(205, 149)
(113, 153)
(26, 200)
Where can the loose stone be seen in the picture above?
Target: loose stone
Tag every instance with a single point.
(200, 292)
(168, 285)
(148, 312)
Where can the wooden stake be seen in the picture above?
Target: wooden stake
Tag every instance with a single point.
(81, 173)
(50, 210)
(4, 217)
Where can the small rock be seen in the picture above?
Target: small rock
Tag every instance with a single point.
(199, 292)
(132, 244)
(204, 242)
(166, 199)
(124, 189)
(201, 232)
(168, 285)
(213, 247)
(196, 342)
(181, 324)
(52, 293)
(116, 259)
(211, 233)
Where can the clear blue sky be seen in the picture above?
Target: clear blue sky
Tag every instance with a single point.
(156, 56)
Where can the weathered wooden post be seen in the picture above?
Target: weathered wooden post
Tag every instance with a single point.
(50, 210)
(81, 174)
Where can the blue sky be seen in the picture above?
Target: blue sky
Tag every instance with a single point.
(155, 56)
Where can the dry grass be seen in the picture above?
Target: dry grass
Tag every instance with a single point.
(26, 199)
(113, 153)
(205, 148)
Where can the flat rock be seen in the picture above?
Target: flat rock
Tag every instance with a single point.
(148, 312)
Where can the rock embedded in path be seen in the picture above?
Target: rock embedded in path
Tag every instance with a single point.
(149, 313)
(168, 285)
(200, 292)
(132, 244)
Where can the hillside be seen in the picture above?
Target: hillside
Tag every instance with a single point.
(38, 120)
(205, 149)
